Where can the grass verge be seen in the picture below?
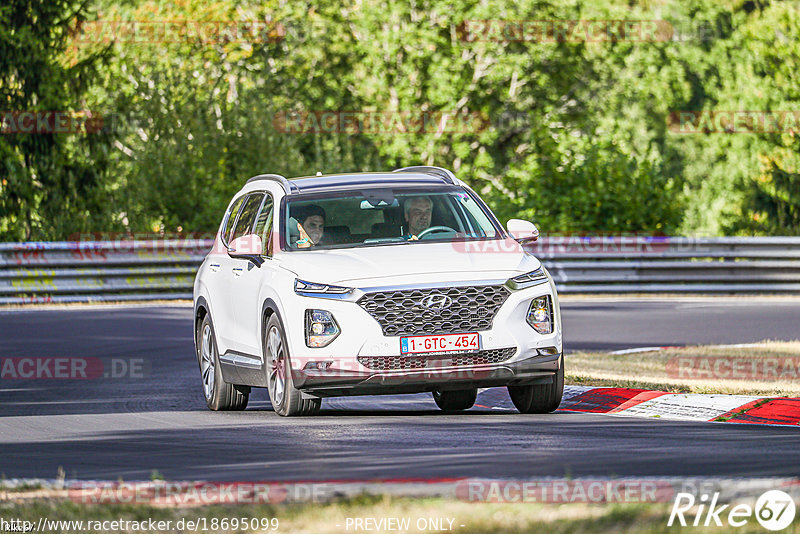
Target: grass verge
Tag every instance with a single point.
(769, 368)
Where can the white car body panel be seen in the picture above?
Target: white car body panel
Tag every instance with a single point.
(415, 260)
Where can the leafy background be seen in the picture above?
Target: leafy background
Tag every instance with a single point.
(577, 137)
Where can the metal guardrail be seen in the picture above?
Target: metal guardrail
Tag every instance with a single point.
(96, 271)
(672, 264)
(149, 270)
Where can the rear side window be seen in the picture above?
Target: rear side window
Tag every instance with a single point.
(247, 215)
(231, 219)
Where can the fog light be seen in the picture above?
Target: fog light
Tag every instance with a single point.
(540, 315)
(318, 366)
(321, 328)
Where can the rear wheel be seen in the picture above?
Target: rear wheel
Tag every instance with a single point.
(451, 401)
(286, 399)
(539, 398)
(219, 394)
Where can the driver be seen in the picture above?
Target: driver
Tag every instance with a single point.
(417, 213)
(310, 225)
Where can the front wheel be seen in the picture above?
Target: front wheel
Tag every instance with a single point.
(286, 400)
(452, 401)
(539, 398)
(219, 394)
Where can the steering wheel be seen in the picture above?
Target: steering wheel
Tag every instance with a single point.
(435, 229)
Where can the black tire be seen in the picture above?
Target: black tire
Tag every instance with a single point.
(542, 398)
(219, 395)
(452, 401)
(286, 399)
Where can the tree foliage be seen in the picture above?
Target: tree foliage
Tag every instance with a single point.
(51, 184)
(573, 135)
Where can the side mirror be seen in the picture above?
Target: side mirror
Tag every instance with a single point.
(523, 232)
(247, 247)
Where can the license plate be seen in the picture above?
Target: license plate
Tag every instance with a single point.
(443, 343)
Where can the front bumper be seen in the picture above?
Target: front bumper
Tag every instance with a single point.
(535, 357)
(538, 369)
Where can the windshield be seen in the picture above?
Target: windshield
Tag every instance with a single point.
(384, 216)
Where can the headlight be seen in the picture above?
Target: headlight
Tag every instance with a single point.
(302, 287)
(528, 279)
(540, 315)
(321, 328)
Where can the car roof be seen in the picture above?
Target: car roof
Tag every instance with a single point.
(350, 181)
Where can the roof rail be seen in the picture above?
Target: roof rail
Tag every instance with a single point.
(287, 185)
(448, 176)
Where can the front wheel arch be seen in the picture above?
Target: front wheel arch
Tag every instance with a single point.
(200, 313)
(269, 308)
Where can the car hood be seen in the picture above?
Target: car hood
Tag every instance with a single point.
(411, 263)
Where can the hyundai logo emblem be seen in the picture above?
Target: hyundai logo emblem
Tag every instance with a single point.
(436, 302)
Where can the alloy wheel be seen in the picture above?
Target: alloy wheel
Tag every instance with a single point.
(207, 361)
(277, 356)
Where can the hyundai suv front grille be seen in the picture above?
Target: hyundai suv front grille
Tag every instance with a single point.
(446, 310)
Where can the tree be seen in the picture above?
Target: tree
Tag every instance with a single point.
(52, 184)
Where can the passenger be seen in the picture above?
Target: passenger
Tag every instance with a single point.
(311, 225)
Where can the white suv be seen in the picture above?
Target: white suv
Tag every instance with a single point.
(373, 283)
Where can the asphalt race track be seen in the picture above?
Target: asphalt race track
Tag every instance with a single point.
(109, 428)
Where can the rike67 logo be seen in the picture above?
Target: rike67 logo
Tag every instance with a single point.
(774, 510)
